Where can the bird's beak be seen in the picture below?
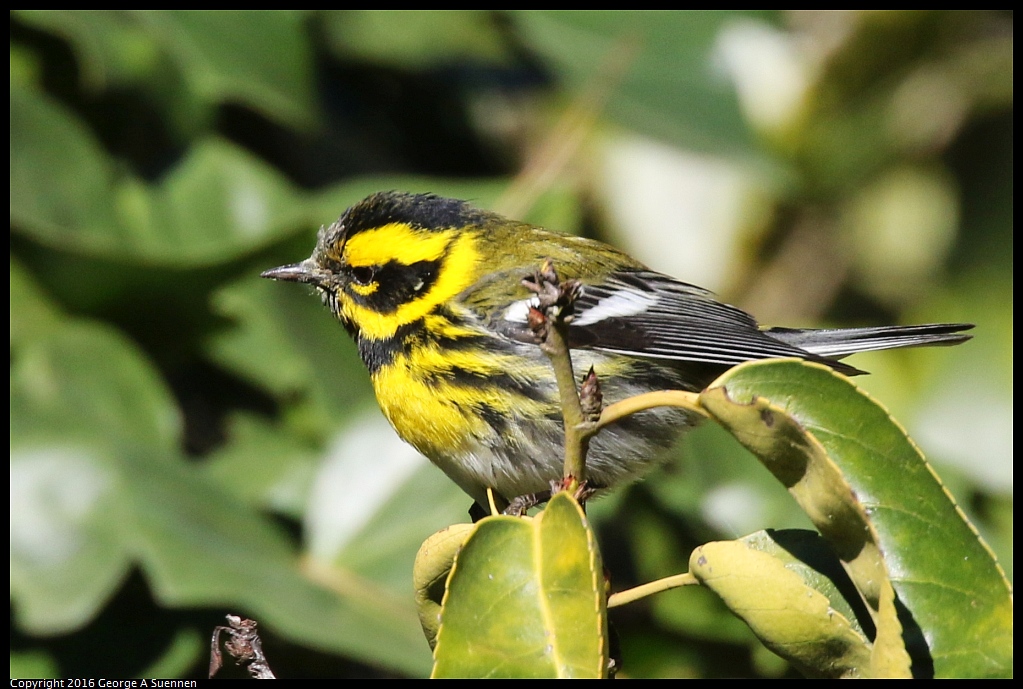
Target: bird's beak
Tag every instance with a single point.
(306, 271)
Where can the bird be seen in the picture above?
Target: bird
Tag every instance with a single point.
(431, 290)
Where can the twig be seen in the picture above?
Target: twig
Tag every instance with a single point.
(244, 646)
(549, 322)
(582, 408)
(648, 400)
(644, 590)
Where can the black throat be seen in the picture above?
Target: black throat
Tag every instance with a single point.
(379, 353)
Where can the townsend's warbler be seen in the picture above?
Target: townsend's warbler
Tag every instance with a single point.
(431, 290)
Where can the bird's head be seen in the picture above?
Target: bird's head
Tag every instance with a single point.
(392, 259)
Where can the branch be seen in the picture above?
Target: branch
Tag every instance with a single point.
(549, 323)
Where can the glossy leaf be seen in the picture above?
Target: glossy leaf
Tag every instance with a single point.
(943, 574)
(817, 484)
(526, 599)
(768, 588)
(434, 561)
(807, 554)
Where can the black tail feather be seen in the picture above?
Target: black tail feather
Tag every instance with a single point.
(840, 342)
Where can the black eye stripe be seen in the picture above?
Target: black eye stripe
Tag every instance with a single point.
(397, 283)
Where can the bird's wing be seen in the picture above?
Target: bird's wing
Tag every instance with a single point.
(647, 314)
(641, 313)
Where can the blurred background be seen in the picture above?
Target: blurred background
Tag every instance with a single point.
(188, 440)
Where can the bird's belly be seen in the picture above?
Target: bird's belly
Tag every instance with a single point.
(485, 436)
(528, 456)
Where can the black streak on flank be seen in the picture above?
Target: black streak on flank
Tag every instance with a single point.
(495, 419)
(509, 384)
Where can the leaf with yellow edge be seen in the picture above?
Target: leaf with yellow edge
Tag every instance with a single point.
(870, 492)
(433, 563)
(526, 598)
(797, 611)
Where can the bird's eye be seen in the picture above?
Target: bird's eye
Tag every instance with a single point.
(363, 275)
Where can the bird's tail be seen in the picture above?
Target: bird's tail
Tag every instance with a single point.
(839, 342)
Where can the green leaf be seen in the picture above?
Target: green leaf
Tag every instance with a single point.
(795, 609)
(669, 88)
(526, 599)
(807, 554)
(260, 58)
(817, 484)
(97, 485)
(265, 465)
(408, 39)
(434, 561)
(942, 572)
(200, 547)
(219, 202)
(802, 465)
(111, 48)
(85, 381)
(285, 341)
(67, 556)
(32, 313)
(77, 395)
(37, 664)
(62, 186)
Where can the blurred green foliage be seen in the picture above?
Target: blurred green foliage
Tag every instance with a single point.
(188, 441)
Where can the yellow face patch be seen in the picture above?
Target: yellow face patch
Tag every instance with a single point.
(395, 242)
(456, 249)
